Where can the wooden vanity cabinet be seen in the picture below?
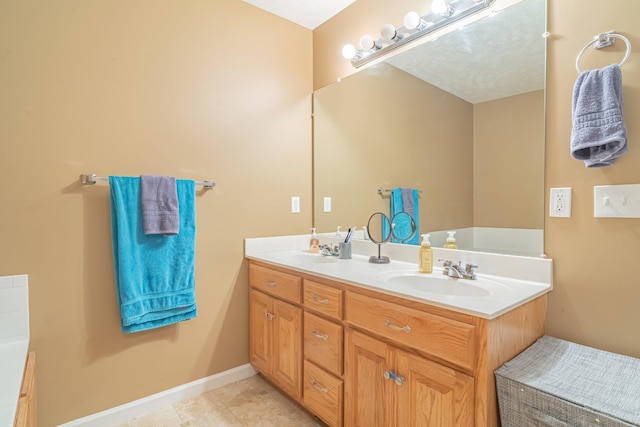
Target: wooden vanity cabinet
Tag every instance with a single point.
(26, 412)
(387, 386)
(361, 358)
(323, 351)
(275, 325)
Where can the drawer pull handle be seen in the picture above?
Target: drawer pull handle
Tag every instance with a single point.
(321, 301)
(271, 283)
(269, 316)
(388, 324)
(388, 375)
(318, 387)
(318, 335)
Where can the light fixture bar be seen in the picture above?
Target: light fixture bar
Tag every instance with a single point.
(438, 22)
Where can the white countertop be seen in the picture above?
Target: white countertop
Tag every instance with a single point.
(13, 356)
(500, 293)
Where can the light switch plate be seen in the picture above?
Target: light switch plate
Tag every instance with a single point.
(327, 204)
(560, 202)
(616, 201)
(295, 204)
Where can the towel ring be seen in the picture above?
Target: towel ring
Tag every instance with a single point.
(604, 40)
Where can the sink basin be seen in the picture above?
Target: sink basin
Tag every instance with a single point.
(439, 284)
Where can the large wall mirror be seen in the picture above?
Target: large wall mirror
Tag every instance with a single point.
(460, 118)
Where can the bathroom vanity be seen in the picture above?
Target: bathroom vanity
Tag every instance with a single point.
(363, 345)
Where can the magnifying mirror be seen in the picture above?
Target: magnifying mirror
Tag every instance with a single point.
(403, 227)
(379, 231)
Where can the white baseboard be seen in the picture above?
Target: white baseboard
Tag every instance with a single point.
(163, 399)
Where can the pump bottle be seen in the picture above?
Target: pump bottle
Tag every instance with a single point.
(314, 243)
(451, 241)
(426, 255)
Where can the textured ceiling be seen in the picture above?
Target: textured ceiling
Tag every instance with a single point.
(308, 13)
(498, 56)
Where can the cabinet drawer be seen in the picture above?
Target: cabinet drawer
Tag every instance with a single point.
(323, 343)
(322, 298)
(323, 394)
(279, 284)
(443, 338)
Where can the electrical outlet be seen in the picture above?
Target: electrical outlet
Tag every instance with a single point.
(560, 202)
(295, 204)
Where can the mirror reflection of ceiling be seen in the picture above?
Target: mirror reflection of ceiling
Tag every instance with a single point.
(517, 55)
(308, 13)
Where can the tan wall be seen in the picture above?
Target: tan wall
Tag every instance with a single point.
(595, 294)
(593, 301)
(125, 88)
(508, 162)
(386, 128)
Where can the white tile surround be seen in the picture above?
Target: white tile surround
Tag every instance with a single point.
(14, 342)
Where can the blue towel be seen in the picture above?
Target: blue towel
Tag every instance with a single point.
(155, 278)
(159, 201)
(405, 200)
(599, 134)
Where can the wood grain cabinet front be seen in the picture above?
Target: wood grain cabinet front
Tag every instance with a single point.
(360, 358)
(323, 394)
(323, 343)
(26, 412)
(275, 343)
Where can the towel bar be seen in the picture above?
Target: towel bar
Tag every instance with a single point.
(603, 40)
(385, 190)
(91, 178)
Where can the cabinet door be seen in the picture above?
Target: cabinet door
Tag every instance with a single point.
(433, 395)
(287, 347)
(260, 321)
(369, 397)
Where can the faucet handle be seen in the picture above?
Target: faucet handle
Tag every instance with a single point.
(470, 272)
(445, 262)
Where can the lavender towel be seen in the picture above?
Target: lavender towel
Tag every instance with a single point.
(599, 134)
(159, 200)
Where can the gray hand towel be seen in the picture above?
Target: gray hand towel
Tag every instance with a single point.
(599, 134)
(159, 199)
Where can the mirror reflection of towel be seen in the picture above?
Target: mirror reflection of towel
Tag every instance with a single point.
(405, 200)
(599, 134)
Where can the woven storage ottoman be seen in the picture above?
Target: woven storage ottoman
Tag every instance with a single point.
(559, 383)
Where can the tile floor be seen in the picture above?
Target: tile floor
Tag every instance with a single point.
(247, 403)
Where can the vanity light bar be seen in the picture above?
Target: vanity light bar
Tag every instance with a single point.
(457, 10)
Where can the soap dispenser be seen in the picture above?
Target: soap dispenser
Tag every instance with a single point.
(451, 241)
(314, 243)
(426, 255)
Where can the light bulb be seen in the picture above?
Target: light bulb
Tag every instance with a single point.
(388, 32)
(367, 42)
(349, 51)
(440, 7)
(411, 20)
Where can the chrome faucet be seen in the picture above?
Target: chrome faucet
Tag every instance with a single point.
(327, 250)
(456, 271)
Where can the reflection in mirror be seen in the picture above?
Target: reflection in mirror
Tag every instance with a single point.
(461, 118)
(379, 230)
(403, 227)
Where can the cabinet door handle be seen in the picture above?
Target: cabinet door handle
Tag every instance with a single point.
(271, 283)
(318, 387)
(388, 324)
(319, 335)
(321, 301)
(269, 315)
(388, 375)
